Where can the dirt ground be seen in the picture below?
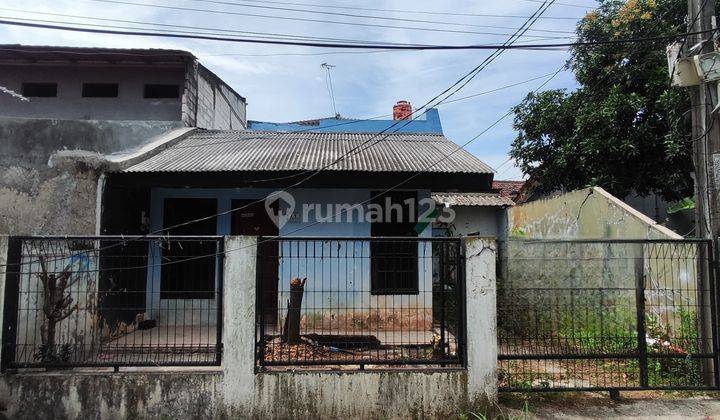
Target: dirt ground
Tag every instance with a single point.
(631, 405)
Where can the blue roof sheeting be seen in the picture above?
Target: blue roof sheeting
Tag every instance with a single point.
(428, 123)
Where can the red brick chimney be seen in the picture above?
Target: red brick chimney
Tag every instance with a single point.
(402, 110)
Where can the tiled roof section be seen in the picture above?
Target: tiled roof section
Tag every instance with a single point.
(472, 199)
(213, 150)
(508, 188)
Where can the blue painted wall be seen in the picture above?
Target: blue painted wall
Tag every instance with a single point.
(327, 266)
(428, 123)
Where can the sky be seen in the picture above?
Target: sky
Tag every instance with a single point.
(287, 83)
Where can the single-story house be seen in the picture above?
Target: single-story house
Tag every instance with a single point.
(204, 173)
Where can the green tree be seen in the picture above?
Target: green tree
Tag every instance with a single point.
(625, 128)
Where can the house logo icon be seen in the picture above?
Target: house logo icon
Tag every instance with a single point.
(280, 206)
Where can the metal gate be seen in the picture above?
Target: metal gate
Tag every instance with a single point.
(607, 315)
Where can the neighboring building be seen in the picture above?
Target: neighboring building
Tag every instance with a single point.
(98, 101)
(510, 189)
(68, 83)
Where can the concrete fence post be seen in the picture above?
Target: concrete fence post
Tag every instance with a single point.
(4, 249)
(480, 287)
(238, 360)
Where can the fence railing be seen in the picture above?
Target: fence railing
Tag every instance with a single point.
(359, 301)
(621, 314)
(112, 301)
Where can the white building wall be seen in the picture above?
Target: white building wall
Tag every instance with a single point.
(478, 221)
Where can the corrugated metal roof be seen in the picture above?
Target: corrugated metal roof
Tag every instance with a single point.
(213, 150)
(472, 199)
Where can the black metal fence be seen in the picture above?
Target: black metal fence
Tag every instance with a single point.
(112, 301)
(607, 315)
(359, 301)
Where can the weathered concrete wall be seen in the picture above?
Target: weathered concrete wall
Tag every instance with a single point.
(237, 391)
(156, 395)
(218, 107)
(36, 198)
(590, 213)
(481, 221)
(47, 202)
(199, 394)
(69, 104)
(4, 249)
(480, 301)
(535, 276)
(79, 333)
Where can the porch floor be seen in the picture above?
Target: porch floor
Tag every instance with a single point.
(175, 336)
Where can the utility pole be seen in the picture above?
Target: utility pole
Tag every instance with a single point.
(705, 130)
(706, 159)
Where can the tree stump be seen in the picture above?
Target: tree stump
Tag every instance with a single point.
(291, 333)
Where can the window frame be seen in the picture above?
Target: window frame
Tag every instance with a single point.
(379, 248)
(24, 86)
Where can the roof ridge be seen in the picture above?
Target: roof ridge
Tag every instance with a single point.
(330, 133)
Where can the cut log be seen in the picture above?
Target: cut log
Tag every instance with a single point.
(291, 333)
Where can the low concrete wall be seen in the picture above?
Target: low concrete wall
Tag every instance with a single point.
(200, 395)
(236, 390)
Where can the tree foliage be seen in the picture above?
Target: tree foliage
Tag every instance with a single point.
(625, 128)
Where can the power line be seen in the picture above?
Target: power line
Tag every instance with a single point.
(344, 210)
(417, 173)
(413, 11)
(458, 85)
(177, 32)
(270, 35)
(564, 4)
(299, 19)
(295, 54)
(4, 21)
(194, 29)
(394, 19)
(462, 98)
